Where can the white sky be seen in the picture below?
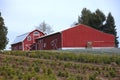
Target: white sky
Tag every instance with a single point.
(22, 16)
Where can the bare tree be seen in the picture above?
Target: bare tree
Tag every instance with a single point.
(45, 28)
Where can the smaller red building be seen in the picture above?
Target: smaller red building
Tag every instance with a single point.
(49, 42)
(25, 41)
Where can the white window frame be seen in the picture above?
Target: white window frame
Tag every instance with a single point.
(29, 38)
(36, 32)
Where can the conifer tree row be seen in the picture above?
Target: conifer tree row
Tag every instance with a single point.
(99, 21)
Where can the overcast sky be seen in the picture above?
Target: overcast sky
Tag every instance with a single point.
(22, 16)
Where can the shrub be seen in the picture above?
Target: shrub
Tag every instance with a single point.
(68, 65)
(79, 78)
(92, 77)
(63, 74)
(112, 73)
(49, 71)
(36, 69)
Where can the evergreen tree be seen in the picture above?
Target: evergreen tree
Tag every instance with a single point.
(111, 28)
(3, 34)
(94, 20)
(85, 18)
(98, 21)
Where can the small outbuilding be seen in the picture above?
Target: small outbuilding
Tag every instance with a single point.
(77, 37)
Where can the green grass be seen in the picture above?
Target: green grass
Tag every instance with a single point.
(69, 56)
(54, 65)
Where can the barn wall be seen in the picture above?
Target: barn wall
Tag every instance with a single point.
(17, 46)
(50, 42)
(28, 43)
(83, 36)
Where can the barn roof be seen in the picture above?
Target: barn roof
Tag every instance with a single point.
(20, 38)
(48, 35)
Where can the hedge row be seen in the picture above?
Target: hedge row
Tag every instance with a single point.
(69, 56)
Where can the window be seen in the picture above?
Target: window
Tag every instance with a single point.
(29, 38)
(20, 47)
(44, 45)
(36, 33)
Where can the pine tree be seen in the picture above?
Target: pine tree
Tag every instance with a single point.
(111, 28)
(98, 21)
(85, 18)
(95, 19)
(3, 34)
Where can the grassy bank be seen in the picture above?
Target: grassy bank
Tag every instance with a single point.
(54, 65)
(69, 56)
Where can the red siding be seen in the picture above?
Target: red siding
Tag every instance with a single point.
(50, 42)
(75, 37)
(17, 46)
(80, 35)
(27, 43)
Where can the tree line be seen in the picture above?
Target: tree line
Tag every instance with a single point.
(99, 21)
(96, 19)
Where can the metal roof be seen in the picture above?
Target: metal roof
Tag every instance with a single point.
(20, 38)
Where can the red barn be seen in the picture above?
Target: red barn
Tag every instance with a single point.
(24, 41)
(80, 36)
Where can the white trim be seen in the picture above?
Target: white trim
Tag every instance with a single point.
(34, 33)
(33, 38)
(29, 38)
(28, 46)
(102, 47)
(48, 35)
(103, 41)
(65, 48)
(23, 46)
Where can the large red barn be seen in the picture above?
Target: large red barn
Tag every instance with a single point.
(24, 41)
(80, 36)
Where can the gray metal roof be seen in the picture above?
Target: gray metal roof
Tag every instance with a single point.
(20, 38)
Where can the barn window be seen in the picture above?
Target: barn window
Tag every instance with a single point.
(44, 45)
(29, 38)
(36, 33)
(20, 47)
